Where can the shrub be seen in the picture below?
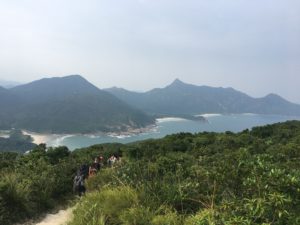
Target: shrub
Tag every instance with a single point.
(14, 198)
(204, 217)
(137, 215)
(105, 207)
(103, 178)
(166, 216)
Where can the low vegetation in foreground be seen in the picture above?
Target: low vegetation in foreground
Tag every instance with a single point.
(251, 177)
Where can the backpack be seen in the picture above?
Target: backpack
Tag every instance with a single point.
(84, 170)
(78, 181)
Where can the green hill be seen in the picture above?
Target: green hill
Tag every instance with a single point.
(68, 105)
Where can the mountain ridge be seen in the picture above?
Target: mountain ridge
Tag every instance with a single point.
(69, 104)
(182, 98)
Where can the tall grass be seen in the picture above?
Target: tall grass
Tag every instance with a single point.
(105, 206)
(13, 198)
(120, 205)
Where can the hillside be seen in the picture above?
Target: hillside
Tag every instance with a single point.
(68, 105)
(250, 177)
(7, 98)
(10, 145)
(181, 98)
(16, 142)
(9, 103)
(8, 84)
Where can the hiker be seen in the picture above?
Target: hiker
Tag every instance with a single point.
(78, 184)
(111, 160)
(84, 170)
(101, 161)
(92, 170)
(96, 164)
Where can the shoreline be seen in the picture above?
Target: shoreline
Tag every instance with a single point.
(152, 131)
(56, 139)
(39, 138)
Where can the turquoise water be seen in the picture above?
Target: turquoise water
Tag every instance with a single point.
(216, 123)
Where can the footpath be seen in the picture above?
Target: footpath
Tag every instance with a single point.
(59, 218)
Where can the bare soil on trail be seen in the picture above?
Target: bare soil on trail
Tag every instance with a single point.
(59, 218)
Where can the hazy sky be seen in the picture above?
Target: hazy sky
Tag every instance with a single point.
(251, 45)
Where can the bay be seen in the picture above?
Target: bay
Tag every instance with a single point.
(165, 126)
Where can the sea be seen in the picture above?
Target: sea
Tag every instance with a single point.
(172, 125)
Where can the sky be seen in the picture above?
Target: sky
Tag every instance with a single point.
(252, 46)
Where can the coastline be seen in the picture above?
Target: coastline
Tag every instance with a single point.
(4, 133)
(130, 132)
(39, 138)
(57, 139)
(161, 127)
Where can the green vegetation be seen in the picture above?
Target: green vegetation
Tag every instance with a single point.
(33, 183)
(36, 182)
(251, 177)
(16, 142)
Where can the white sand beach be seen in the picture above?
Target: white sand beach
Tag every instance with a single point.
(39, 138)
(169, 119)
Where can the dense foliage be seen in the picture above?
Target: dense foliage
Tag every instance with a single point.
(35, 182)
(252, 177)
(16, 142)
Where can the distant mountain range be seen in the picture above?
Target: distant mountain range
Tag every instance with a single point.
(73, 105)
(180, 98)
(66, 105)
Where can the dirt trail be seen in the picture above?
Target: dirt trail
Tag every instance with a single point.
(60, 218)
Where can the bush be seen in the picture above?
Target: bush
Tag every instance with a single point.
(105, 206)
(204, 217)
(14, 202)
(137, 215)
(166, 216)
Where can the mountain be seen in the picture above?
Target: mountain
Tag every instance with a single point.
(8, 84)
(68, 105)
(8, 104)
(55, 88)
(181, 98)
(8, 98)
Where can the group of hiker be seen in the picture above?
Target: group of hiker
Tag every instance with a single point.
(86, 171)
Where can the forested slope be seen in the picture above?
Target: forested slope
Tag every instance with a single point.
(180, 98)
(66, 105)
(251, 177)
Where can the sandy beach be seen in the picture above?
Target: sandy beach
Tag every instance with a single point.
(39, 138)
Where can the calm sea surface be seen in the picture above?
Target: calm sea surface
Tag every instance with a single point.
(215, 122)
